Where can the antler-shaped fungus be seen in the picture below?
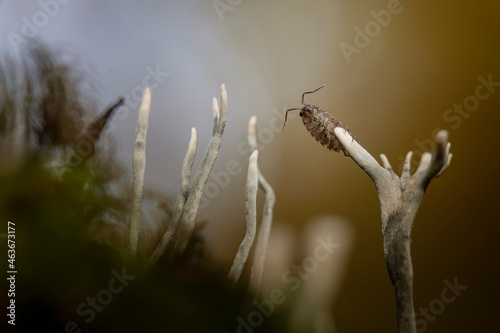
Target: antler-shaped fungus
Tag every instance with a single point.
(267, 216)
(188, 200)
(255, 179)
(399, 199)
(187, 166)
(196, 191)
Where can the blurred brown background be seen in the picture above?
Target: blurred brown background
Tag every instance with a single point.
(393, 95)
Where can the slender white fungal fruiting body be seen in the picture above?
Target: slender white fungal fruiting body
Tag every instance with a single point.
(267, 216)
(251, 219)
(139, 167)
(196, 191)
(187, 166)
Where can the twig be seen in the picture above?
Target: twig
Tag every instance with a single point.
(399, 200)
(91, 134)
(251, 219)
(193, 200)
(267, 218)
(95, 128)
(179, 204)
(139, 167)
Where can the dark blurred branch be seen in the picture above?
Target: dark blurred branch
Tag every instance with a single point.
(94, 130)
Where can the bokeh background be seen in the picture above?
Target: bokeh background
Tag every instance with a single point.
(393, 94)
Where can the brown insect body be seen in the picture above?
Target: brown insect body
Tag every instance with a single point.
(321, 125)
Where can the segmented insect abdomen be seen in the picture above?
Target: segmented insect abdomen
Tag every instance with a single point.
(320, 125)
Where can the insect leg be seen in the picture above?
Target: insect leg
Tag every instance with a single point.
(345, 153)
(346, 130)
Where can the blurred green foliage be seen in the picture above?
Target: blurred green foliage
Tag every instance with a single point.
(70, 220)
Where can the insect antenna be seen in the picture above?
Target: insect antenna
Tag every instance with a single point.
(286, 115)
(307, 92)
(310, 92)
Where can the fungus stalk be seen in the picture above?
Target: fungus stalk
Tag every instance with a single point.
(139, 167)
(251, 219)
(399, 199)
(267, 217)
(187, 166)
(196, 191)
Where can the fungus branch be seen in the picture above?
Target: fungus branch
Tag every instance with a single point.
(267, 218)
(139, 166)
(399, 199)
(251, 219)
(179, 204)
(196, 191)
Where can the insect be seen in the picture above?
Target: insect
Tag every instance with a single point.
(320, 124)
